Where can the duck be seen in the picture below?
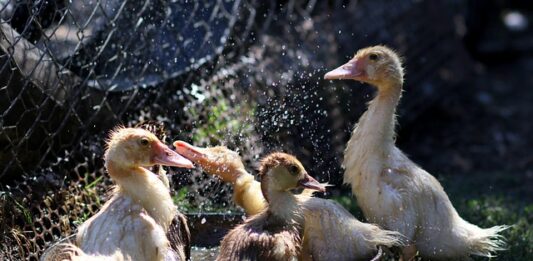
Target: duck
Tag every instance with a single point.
(392, 190)
(178, 233)
(132, 225)
(275, 233)
(227, 165)
(330, 232)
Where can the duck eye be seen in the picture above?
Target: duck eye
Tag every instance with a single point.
(293, 169)
(373, 56)
(144, 141)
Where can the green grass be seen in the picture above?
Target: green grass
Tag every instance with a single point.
(25, 211)
(182, 201)
(223, 119)
(487, 200)
(81, 218)
(94, 183)
(92, 189)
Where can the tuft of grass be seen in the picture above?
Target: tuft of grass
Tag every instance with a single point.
(81, 218)
(180, 199)
(223, 119)
(94, 183)
(92, 189)
(25, 212)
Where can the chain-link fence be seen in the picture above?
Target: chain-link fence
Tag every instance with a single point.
(242, 73)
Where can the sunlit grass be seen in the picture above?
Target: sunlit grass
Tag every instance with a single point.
(222, 119)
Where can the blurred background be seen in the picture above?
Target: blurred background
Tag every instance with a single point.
(248, 74)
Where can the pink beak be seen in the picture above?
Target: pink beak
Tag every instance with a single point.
(189, 151)
(311, 183)
(353, 69)
(167, 157)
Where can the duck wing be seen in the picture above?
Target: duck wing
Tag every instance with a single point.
(332, 233)
(179, 237)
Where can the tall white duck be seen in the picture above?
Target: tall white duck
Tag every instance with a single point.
(392, 190)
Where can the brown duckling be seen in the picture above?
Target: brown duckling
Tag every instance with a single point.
(275, 233)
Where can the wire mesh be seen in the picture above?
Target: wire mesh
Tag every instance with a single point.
(241, 73)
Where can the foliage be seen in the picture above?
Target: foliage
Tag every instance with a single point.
(222, 119)
(180, 199)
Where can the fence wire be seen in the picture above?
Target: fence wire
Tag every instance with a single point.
(242, 73)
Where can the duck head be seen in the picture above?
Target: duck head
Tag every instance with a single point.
(135, 147)
(377, 65)
(283, 172)
(219, 161)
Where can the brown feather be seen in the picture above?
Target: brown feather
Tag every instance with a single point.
(262, 237)
(269, 235)
(179, 236)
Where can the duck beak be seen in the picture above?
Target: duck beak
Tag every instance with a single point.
(353, 69)
(163, 155)
(189, 151)
(311, 183)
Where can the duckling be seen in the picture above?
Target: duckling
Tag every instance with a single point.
(132, 225)
(275, 233)
(178, 233)
(158, 129)
(330, 232)
(392, 190)
(227, 165)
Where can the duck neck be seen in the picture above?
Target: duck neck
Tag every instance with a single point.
(376, 127)
(284, 205)
(145, 188)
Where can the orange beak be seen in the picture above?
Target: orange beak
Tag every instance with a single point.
(311, 183)
(189, 151)
(353, 69)
(163, 155)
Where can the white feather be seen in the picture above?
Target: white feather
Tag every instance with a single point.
(332, 233)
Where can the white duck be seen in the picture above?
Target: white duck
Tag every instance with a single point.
(393, 191)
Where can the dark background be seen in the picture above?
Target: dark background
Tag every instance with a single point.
(248, 74)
